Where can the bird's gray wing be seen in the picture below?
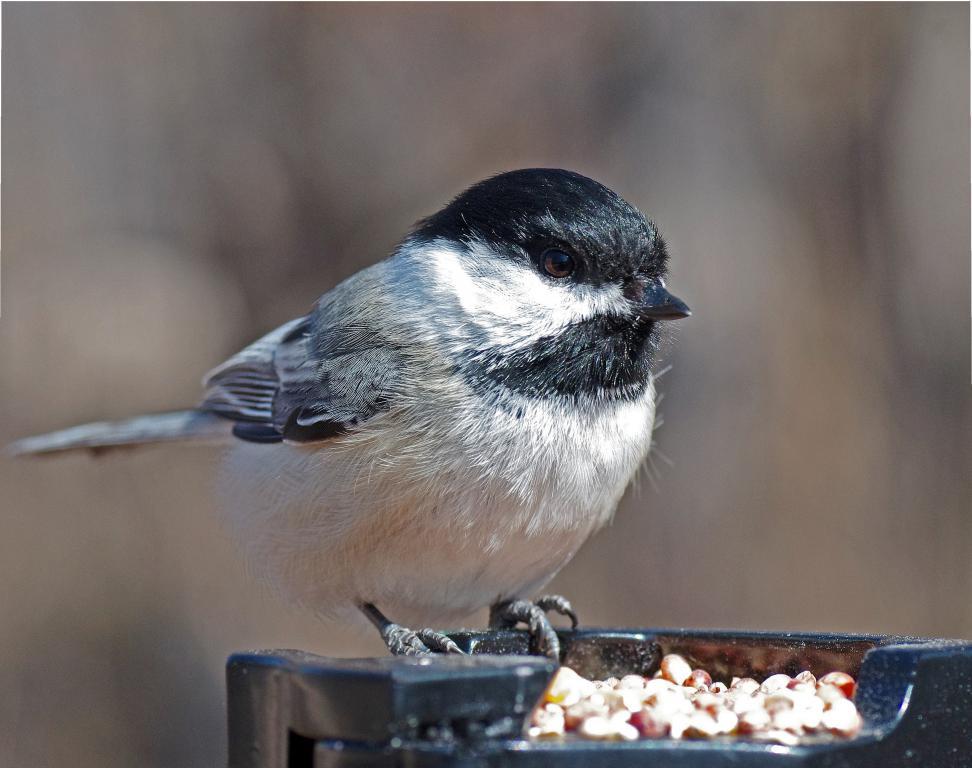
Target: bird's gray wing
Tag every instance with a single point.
(312, 379)
(244, 387)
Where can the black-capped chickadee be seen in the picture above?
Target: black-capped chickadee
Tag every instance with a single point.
(447, 427)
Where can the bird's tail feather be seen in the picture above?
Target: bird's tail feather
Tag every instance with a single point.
(104, 435)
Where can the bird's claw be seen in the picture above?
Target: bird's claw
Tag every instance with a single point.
(402, 641)
(558, 604)
(543, 637)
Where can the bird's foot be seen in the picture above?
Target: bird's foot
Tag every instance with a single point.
(543, 637)
(402, 641)
(558, 604)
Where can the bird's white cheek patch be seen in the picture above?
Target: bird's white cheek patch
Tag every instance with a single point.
(454, 279)
(512, 302)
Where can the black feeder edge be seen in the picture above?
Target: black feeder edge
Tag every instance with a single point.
(290, 709)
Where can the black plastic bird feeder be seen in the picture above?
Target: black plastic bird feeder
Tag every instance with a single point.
(289, 709)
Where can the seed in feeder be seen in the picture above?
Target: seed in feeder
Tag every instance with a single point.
(811, 715)
(548, 721)
(774, 683)
(633, 707)
(657, 684)
(800, 687)
(631, 699)
(675, 668)
(747, 702)
(707, 701)
(753, 721)
(728, 721)
(669, 703)
(840, 679)
(788, 720)
(806, 676)
(841, 718)
(779, 700)
(778, 736)
(744, 685)
(647, 724)
(678, 725)
(632, 681)
(620, 716)
(596, 727)
(829, 693)
(603, 728)
(567, 687)
(702, 725)
(699, 679)
(610, 697)
(577, 714)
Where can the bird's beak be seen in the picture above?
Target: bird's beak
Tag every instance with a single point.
(658, 304)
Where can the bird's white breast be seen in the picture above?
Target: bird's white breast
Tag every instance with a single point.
(438, 507)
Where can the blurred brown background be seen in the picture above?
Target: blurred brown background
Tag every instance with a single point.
(178, 179)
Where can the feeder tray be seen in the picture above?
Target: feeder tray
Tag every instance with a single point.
(290, 709)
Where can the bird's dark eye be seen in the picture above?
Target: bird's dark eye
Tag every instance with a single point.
(557, 263)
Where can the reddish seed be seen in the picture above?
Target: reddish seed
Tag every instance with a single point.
(647, 725)
(828, 694)
(699, 679)
(841, 680)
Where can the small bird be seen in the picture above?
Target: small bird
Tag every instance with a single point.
(445, 428)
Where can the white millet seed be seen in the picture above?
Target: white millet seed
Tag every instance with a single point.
(774, 683)
(841, 718)
(744, 685)
(632, 681)
(675, 668)
(680, 702)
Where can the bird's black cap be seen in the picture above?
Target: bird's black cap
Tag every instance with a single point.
(521, 213)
